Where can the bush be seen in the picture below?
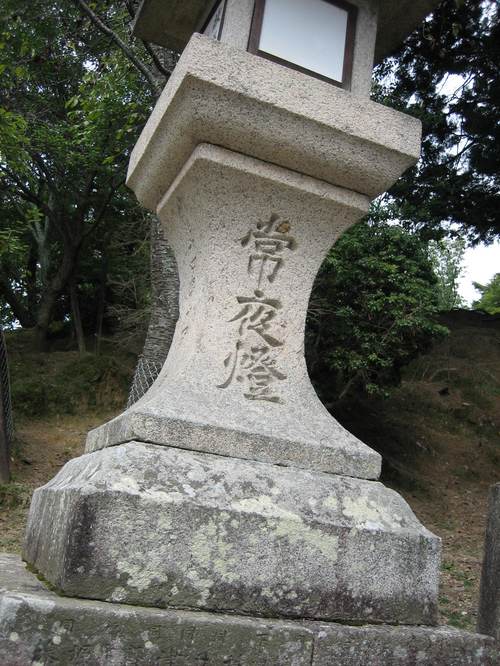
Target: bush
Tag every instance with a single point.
(372, 311)
(13, 495)
(65, 383)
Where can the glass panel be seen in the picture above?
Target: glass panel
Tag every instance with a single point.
(308, 33)
(214, 26)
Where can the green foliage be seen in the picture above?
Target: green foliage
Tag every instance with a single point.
(447, 75)
(490, 296)
(446, 256)
(71, 107)
(64, 383)
(13, 139)
(14, 494)
(371, 312)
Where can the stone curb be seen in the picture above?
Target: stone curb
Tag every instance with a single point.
(38, 627)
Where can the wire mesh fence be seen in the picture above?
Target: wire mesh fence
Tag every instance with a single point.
(6, 421)
(5, 389)
(145, 374)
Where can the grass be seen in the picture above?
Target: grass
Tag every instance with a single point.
(14, 495)
(457, 574)
(465, 473)
(459, 620)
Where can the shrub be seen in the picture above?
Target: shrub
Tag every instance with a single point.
(372, 311)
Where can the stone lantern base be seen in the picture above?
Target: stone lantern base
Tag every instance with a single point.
(163, 527)
(38, 627)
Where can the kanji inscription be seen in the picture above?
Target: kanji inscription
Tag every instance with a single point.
(254, 359)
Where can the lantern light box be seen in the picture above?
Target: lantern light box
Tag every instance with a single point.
(313, 36)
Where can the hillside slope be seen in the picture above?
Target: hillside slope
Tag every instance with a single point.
(439, 434)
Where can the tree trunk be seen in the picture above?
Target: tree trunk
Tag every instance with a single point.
(31, 287)
(164, 313)
(101, 305)
(77, 319)
(43, 320)
(51, 293)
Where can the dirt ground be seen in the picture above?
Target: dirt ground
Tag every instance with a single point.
(439, 434)
(43, 447)
(457, 431)
(454, 506)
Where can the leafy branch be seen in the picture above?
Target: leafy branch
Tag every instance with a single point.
(99, 23)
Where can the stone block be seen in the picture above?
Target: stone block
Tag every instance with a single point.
(40, 628)
(161, 21)
(489, 603)
(249, 238)
(227, 97)
(157, 526)
(340, 645)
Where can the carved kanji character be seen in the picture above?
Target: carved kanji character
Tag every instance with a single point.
(270, 239)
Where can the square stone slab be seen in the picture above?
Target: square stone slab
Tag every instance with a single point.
(39, 628)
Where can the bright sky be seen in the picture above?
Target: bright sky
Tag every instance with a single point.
(481, 263)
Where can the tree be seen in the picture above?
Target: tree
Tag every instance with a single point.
(77, 90)
(446, 74)
(70, 109)
(446, 257)
(372, 311)
(63, 150)
(490, 296)
(156, 68)
(452, 170)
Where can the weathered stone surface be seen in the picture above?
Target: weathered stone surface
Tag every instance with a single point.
(249, 238)
(39, 628)
(339, 645)
(157, 526)
(489, 603)
(227, 97)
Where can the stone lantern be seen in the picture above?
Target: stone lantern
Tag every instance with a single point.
(227, 495)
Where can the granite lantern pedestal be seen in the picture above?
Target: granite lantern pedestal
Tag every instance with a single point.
(227, 518)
